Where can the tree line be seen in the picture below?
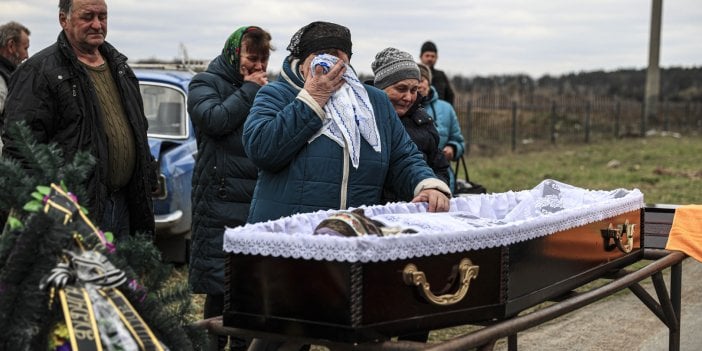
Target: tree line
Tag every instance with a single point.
(678, 84)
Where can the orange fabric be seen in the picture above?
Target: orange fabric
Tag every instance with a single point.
(686, 232)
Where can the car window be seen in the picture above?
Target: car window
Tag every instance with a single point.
(164, 107)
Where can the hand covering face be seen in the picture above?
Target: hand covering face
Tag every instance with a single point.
(349, 113)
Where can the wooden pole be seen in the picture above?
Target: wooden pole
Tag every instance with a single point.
(653, 84)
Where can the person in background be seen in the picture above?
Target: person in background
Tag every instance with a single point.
(81, 94)
(219, 100)
(397, 74)
(429, 55)
(312, 157)
(14, 48)
(451, 141)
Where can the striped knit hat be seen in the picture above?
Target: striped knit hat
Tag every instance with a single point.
(424, 71)
(391, 66)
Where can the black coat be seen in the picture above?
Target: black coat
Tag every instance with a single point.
(6, 68)
(224, 178)
(442, 85)
(420, 127)
(53, 93)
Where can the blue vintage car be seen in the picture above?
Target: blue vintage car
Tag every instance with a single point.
(172, 142)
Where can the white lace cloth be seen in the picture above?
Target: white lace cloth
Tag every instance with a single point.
(350, 113)
(474, 222)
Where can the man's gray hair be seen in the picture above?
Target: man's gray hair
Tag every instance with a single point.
(11, 30)
(65, 6)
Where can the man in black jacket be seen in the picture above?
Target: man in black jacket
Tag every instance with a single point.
(14, 48)
(80, 94)
(428, 55)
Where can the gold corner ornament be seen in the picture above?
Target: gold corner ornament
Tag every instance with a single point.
(621, 237)
(414, 277)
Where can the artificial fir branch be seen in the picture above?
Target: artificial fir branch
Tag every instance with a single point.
(30, 250)
(15, 185)
(25, 316)
(40, 161)
(75, 173)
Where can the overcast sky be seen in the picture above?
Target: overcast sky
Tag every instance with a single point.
(474, 37)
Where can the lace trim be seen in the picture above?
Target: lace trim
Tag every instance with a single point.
(474, 222)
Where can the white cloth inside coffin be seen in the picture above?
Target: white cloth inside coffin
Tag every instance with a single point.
(473, 222)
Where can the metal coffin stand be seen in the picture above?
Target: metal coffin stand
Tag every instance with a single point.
(655, 229)
(360, 306)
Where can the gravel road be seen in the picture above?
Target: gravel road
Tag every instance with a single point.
(621, 322)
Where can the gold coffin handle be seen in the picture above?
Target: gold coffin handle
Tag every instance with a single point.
(414, 277)
(623, 236)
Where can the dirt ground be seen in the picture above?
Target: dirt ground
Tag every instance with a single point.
(621, 322)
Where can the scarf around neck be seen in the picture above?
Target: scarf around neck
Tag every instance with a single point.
(349, 111)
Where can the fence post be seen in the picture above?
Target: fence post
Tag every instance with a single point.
(588, 107)
(553, 122)
(692, 122)
(469, 127)
(514, 125)
(617, 117)
(666, 116)
(643, 120)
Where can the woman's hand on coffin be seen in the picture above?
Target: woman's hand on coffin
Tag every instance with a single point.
(437, 200)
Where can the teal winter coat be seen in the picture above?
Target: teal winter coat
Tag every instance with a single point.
(448, 127)
(446, 123)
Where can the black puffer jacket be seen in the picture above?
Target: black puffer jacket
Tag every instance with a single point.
(442, 84)
(224, 178)
(420, 127)
(6, 68)
(53, 93)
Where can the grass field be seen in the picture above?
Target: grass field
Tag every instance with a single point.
(666, 169)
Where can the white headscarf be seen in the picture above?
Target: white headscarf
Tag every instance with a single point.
(349, 111)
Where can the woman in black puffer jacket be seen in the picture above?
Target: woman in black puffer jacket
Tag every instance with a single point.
(219, 100)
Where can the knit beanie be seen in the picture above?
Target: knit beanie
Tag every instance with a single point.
(425, 72)
(318, 36)
(428, 46)
(391, 66)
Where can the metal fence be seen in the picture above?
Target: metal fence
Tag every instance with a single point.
(497, 123)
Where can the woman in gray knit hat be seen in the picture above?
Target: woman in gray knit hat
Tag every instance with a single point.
(398, 75)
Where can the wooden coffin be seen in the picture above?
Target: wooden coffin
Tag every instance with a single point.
(357, 302)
